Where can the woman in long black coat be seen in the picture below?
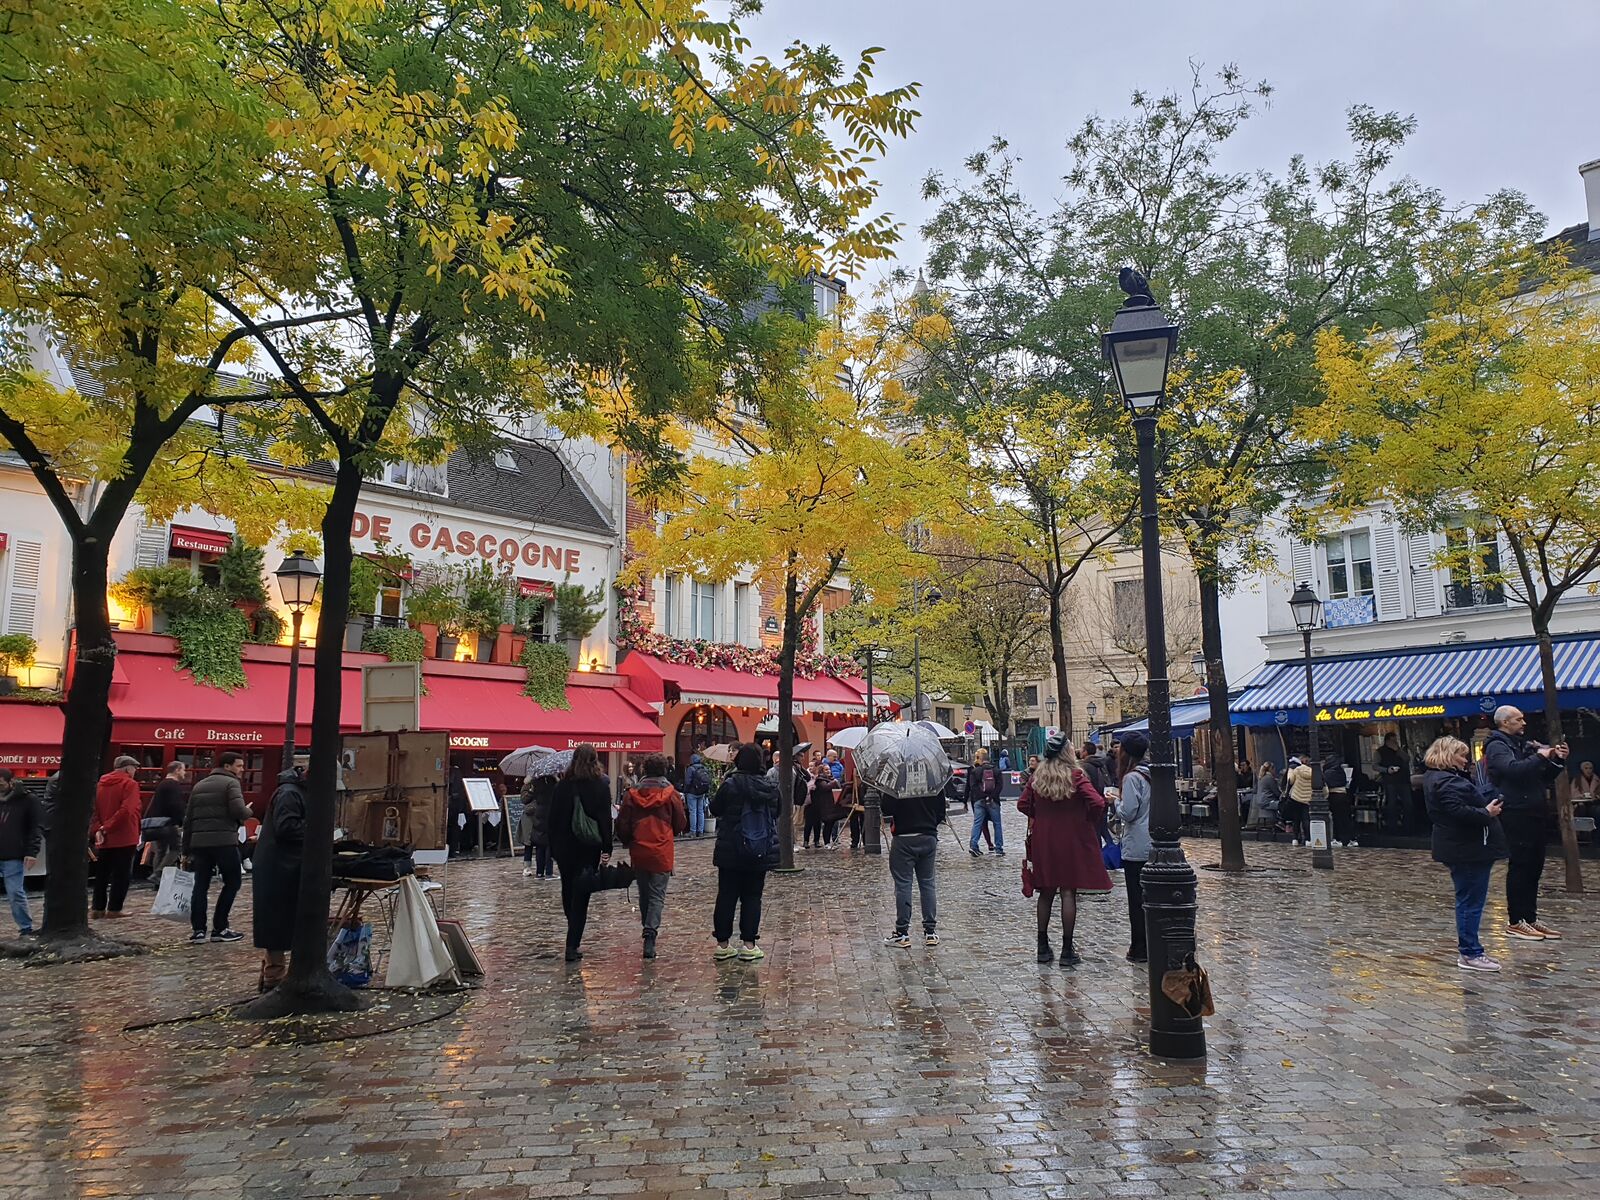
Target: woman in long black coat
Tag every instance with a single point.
(584, 783)
(275, 876)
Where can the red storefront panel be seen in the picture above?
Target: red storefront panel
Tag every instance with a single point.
(493, 714)
(30, 737)
(670, 682)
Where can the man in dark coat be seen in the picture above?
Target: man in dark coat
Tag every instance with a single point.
(211, 825)
(275, 881)
(1522, 770)
(21, 834)
(1394, 770)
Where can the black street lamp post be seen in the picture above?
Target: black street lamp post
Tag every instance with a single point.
(298, 579)
(1139, 346)
(872, 809)
(1307, 610)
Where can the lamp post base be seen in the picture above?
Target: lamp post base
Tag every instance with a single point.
(872, 826)
(1170, 906)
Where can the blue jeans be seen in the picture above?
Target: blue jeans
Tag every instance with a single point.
(12, 871)
(1472, 888)
(987, 811)
(697, 814)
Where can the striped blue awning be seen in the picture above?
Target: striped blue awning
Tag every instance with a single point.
(1186, 714)
(1489, 671)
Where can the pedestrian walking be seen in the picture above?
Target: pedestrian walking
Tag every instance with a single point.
(537, 793)
(1295, 806)
(1094, 766)
(913, 851)
(1522, 770)
(114, 836)
(275, 878)
(651, 818)
(817, 799)
(21, 835)
(1064, 812)
(162, 825)
(1264, 808)
(984, 785)
(1467, 838)
(580, 837)
(746, 809)
(1133, 807)
(1341, 808)
(696, 792)
(211, 825)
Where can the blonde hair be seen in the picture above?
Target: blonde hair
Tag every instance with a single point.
(1054, 778)
(1441, 756)
(980, 755)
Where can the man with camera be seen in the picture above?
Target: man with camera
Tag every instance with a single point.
(1521, 770)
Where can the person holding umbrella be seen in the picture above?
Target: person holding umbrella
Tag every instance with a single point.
(1065, 813)
(908, 767)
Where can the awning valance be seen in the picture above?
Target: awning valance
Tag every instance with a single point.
(667, 682)
(206, 541)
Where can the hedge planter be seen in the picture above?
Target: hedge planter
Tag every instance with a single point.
(354, 631)
(449, 643)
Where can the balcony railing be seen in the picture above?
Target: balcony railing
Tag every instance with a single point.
(1350, 610)
(1474, 595)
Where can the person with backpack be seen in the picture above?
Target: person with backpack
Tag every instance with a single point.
(696, 790)
(580, 837)
(649, 822)
(984, 784)
(746, 809)
(1065, 814)
(1133, 807)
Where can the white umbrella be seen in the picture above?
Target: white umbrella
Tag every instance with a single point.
(902, 760)
(518, 761)
(938, 730)
(849, 738)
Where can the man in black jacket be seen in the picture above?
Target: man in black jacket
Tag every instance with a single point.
(21, 832)
(217, 811)
(912, 854)
(1522, 771)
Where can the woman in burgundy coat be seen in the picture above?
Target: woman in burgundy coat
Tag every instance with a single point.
(1064, 813)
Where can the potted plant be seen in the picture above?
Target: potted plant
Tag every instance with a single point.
(436, 600)
(578, 610)
(16, 650)
(484, 606)
(239, 577)
(166, 592)
(365, 582)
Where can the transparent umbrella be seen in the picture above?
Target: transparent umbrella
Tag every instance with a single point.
(902, 760)
(519, 760)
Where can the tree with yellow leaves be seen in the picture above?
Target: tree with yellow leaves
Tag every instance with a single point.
(1488, 408)
(829, 480)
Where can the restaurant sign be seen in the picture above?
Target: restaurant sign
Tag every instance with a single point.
(1397, 711)
(465, 541)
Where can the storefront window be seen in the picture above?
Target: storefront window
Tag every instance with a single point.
(701, 728)
(1349, 564)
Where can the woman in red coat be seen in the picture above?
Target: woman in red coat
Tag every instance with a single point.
(1064, 813)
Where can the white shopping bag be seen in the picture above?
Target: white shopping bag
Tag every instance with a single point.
(173, 898)
(418, 956)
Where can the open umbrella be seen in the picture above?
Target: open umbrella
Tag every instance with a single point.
(902, 760)
(554, 763)
(938, 730)
(518, 761)
(848, 738)
(720, 753)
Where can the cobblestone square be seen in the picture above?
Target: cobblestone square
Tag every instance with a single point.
(1349, 1056)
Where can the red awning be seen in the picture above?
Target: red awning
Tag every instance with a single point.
(30, 736)
(207, 541)
(678, 683)
(493, 714)
(535, 587)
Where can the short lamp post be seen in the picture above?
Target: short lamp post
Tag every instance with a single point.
(298, 580)
(1093, 710)
(871, 806)
(1307, 609)
(1050, 712)
(1139, 346)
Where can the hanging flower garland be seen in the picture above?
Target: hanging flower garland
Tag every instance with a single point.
(634, 633)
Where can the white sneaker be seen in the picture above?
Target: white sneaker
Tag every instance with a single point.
(527, 872)
(1482, 963)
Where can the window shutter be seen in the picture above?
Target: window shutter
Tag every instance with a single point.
(153, 546)
(24, 558)
(1425, 597)
(1386, 573)
(1302, 563)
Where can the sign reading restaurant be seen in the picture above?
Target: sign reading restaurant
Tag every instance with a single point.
(465, 541)
(1398, 711)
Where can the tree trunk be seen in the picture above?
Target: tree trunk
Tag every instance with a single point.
(786, 658)
(309, 987)
(1058, 656)
(1557, 736)
(1219, 733)
(87, 726)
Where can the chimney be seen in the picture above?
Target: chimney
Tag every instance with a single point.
(1591, 193)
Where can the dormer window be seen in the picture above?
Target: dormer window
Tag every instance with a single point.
(506, 461)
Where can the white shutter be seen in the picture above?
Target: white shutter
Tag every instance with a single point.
(1302, 563)
(1426, 600)
(24, 559)
(1386, 573)
(153, 546)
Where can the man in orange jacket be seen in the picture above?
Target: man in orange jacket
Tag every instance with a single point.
(651, 817)
(114, 835)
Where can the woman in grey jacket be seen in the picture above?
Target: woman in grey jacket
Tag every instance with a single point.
(1133, 806)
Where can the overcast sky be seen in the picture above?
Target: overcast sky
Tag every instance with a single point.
(1507, 93)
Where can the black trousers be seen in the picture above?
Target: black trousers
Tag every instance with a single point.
(742, 889)
(113, 868)
(575, 897)
(1133, 873)
(857, 823)
(1342, 809)
(813, 828)
(1525, 864)
(224, 860)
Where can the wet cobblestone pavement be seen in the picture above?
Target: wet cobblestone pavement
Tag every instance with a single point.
(1349, 1056)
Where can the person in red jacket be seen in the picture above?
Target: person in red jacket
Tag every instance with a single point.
(651, 817)
(114, 835)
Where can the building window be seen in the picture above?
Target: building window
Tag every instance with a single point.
(417, 477)
(825, 298)
(1349, 564)
(1475, 560)
(703, 615)
(391, 603)
(671, 589)
(1028, 697)
(701, 729)
(742, 613)
(507, 461)
(945, 717)
(1127, 611)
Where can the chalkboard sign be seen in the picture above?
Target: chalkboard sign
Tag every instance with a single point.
(514, 815)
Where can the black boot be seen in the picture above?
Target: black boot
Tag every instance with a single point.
(1069, 956)
(1046, 954)
(649, 943)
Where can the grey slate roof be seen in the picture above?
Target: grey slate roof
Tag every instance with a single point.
(1581, 252)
